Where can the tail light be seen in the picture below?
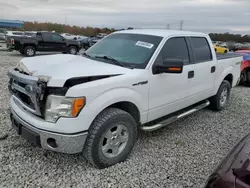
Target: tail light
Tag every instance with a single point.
(12, 41)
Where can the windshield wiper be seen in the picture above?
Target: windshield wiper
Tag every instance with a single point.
(110, 58)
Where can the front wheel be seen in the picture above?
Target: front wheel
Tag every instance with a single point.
(220, 100)
(111, 138)
(73, 50)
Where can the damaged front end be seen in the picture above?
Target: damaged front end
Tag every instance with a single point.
(27, 91)
(31, 92)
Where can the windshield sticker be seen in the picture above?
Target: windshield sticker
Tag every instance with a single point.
(144, 44)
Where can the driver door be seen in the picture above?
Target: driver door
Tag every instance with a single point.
(169, 92)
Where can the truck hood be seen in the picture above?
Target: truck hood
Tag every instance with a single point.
(56, 69)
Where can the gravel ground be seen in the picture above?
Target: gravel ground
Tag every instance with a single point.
(180, 155)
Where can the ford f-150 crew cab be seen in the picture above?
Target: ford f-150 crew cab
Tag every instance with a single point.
(134, 79)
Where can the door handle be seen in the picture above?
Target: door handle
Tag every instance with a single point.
(190, 74)
(213, 69)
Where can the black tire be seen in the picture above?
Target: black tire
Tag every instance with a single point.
(215, 101)
(247, 83)
(215, 50)
(29, 51)
(73, 50)
(104, 122)
(225, 51)
(64, 52)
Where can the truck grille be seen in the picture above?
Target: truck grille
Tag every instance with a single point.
(25, 99)
(26, 91)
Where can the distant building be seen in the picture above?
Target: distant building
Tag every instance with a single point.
(11, 23)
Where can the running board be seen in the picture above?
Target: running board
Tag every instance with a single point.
(174, 118)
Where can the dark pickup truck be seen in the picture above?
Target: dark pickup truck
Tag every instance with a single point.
(44, 42)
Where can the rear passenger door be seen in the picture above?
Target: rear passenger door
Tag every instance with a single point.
(48, 43)
(205, 67)
(59, 43)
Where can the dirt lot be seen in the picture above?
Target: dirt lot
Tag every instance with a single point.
(180, 155)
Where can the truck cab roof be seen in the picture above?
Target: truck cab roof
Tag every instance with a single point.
(162, 32)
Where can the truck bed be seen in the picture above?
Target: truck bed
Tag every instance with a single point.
(228, 55)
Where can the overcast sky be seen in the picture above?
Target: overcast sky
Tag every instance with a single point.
(198, 15)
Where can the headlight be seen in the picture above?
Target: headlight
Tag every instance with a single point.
(60, 106)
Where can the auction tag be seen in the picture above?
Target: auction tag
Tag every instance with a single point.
(144, 44)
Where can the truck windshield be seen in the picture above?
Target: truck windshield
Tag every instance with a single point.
(131, 50)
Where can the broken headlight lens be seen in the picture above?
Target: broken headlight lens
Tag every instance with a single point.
(61, 106)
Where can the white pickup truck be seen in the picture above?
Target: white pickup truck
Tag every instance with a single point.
(130, 80)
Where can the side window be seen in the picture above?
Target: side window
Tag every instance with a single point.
(56, 37)
(201, 49)
(47, 36)
(174, 48)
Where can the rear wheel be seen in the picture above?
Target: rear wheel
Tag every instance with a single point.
(220, 100)
(111, 138)
(73, 50)
(29, 51)
(225, 51)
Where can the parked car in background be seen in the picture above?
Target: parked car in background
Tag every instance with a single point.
(14, 33)
(81, 37)
(101, 35)
(132, 79)
(222, 44)
(42, 41)
(220, 49)
(69, 36)
(2, 33)
(230, 45)
(234, 169)
(88, 42)
(30, 33)
(242, 46)
(245, 67)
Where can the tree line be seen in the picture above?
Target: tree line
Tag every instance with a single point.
(229, 37)
(92, 31)
(62, 28)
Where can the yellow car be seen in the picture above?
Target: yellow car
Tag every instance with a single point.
(220, 49)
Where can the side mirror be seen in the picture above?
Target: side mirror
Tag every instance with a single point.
(174, 66)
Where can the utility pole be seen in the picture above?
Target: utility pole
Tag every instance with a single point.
(168, 26)
(65, 20)
(181, 24)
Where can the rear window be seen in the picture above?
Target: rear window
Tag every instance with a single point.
(201, 49)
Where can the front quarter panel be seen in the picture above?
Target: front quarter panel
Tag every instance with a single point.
(102, 93)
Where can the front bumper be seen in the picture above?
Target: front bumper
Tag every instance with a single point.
(58, 142)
